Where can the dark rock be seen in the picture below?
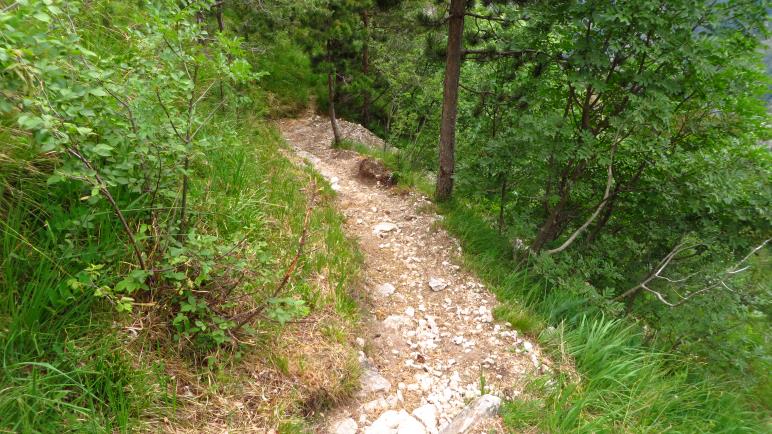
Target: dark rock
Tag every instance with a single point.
(370, 168)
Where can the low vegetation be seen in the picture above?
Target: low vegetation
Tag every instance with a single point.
(159, 249)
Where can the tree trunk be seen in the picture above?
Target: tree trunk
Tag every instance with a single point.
(551, 226)
(184, 204)
(366, 68)
(502, 202)
(604, 218)
(450, 101)
(218, 15)
(333, 119)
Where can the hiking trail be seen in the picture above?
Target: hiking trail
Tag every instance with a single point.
(429, 343)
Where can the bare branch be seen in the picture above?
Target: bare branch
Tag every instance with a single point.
(102, 186)
(603, 202)
(488, 17)
(718, 281)
(287, 274)
(207, 119)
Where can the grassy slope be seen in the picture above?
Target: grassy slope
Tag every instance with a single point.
(622, 385)
(69, 364)
(61, 370)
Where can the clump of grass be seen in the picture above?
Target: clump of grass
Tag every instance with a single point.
(519, 317)
(59, 370)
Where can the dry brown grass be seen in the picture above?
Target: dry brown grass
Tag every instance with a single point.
(292, 378)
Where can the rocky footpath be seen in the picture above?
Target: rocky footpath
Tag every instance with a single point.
(433, 358)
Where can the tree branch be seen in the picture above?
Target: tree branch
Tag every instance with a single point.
(682, 247)
(603, 202)
(106, 193)
(287, 274)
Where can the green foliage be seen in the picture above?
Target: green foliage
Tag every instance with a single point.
(130, 123)
(133, 187)
(597, 137)
(291, 82)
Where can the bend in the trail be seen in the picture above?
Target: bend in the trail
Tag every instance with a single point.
(430, 339)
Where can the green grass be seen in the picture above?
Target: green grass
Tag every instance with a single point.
(60, 371)
(248, 187)
(68, 364)
(291, 82)
(64, 367)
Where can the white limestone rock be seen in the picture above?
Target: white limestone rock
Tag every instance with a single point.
(345, 426)
(383, 228)
(385, 289)
(437, 284)
(396, 422)
(373, 382)
(427, 414)
(397, 322)
(483, 407)
(409, 425)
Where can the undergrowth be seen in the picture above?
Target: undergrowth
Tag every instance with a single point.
(141, 268)
(625, 385)
(61, 370)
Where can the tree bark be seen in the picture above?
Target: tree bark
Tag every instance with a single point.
(444, 188)
(549, 229)
(607, 212)
(218, 15)
(366, 68)
(331, 94)
(333, 120)
(502, 202)
(604, 219)
(556, 217)
(603, 203)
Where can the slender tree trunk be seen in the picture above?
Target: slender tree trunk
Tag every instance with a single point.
(603, 204)
(604, 218)
(608, 211)
(388, 118)
(366, 68)
(550, 228)
(333, 120)
(450, 101)
(184, 204)
(218, 14)
(221, 28)
(502, 202)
